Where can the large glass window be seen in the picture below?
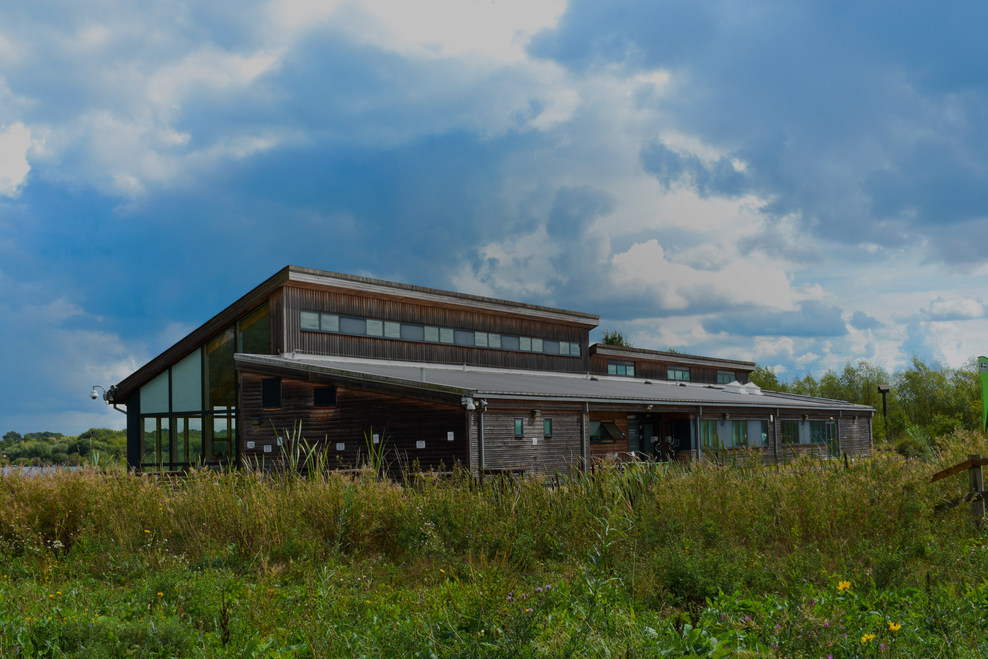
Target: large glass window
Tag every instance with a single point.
(709, 437)
(221, 377)
(188, 439)
(739, 433)
(789, 432)
(156, 441)
(221, 431)
(255, 332)
(154, 395)
(726, 377)
(187, 384)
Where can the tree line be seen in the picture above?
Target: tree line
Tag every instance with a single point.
(53, 448)
(926, 400)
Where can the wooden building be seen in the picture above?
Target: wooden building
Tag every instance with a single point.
(436, 379)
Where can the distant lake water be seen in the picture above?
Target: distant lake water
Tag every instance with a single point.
(36, 471)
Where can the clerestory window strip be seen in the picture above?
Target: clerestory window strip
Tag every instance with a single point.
(315, 321)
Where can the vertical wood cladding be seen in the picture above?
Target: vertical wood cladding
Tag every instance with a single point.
(400, 422)
(276, 314)
(855, 435)
(298, 299)
(503, 450)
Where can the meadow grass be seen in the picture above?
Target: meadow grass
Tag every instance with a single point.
(814, 558)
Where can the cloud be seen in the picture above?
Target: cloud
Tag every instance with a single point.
(838, 123)
(957, 308)
(862, 321)
(810, 318)
(15, 141)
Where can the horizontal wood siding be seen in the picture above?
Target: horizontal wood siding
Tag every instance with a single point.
(400, 422)
(855, 435)
(299, 299)
(503, 450)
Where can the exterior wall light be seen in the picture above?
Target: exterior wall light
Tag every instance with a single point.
(536, 414)
(468, 402)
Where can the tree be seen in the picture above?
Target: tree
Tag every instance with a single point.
(615, 338)
(765, 377)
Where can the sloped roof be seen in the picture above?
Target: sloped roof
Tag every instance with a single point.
(479, 382)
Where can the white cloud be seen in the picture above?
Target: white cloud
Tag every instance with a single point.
(958, 308)
(15, 141)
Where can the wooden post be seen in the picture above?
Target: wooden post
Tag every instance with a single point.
(977, 481)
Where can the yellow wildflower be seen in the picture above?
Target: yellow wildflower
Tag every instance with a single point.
(161, 594)
(442, 570)
(867, 637)
(894, 626)
(844, 585)
(146, 531)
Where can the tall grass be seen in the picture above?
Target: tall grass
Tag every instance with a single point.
(654, 536)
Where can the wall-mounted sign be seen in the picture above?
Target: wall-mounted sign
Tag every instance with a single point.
(268, 448)
(377, 438)
(250, 444)
(420, 443)
(449, 436)
(340, 446)
(535, 441)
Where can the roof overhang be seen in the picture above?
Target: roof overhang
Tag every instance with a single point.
(620, 352)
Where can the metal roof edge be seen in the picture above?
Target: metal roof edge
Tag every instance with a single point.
(655, 355)
(381, 286)
(201, 334)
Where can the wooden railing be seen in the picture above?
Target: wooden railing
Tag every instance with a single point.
(976, 479)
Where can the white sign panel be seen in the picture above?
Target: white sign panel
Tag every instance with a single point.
(268, 448)
(377, 438)
(535, 441)
(250, 444)
(340, 446)
(449, 436)
(420, 444)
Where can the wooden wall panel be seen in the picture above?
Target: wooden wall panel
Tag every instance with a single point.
(298, 299)
(855, 435)
(503, 450)
(401, 422)
(620, 419)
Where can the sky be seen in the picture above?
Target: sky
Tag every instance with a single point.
(795, 184)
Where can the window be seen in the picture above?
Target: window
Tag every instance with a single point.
(547, 426)
(726, 377)
(739, 433)
(271, 392)
(324, 396)
(764, 433)
(709, 438)
(257, 341)
(789, 430)
(678, 374)
(519, 427)
(604, 432)
(823, 432)
(621, 368)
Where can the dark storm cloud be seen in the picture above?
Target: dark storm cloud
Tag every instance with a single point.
(862, 321)
(833, 107)
(811, 319)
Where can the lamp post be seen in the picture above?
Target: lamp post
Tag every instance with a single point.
(883, 389)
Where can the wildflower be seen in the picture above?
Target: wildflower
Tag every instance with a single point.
(539, 589)
(161, 594)
(528, 610)
(867, 637)
(146, 531)
(442, 570)
(844, 585)
(894, 626)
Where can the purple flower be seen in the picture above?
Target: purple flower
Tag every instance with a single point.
(510, 598)
(539, 589)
